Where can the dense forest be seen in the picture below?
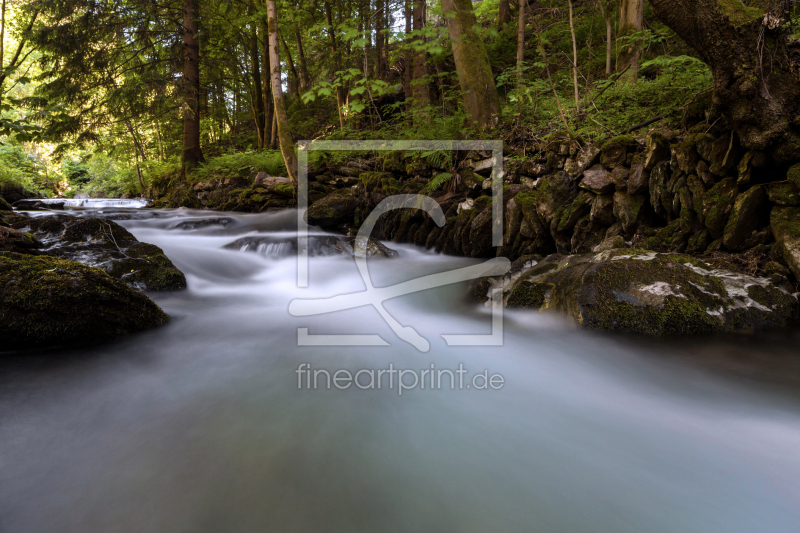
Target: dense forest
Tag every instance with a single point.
(100, 97)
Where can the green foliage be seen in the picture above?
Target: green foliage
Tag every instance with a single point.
(17, 166)
(245, 165)
(436, 182)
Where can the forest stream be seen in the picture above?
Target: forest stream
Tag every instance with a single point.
(200, 425)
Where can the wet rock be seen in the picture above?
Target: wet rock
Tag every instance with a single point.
(48, 300)
(785, 222)
(38, 205)
(603, 209)
(107, 245)
(335, 209)
(610, 243)
(203, 223)
(12, 240)
(649, 293)
(596, 179)
(630, 210)
(555, 192)
(744, 217)
(318, 246)
(656, 150)
(717, 205)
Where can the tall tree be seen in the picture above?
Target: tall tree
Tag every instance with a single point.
(192, 153)
(754, 62)
(472, 63)
(605, 11)
(631, 20)
(521, 39)
(502, 14)
(284, 135)
(419, 84)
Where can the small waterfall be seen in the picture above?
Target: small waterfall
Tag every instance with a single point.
(98, 202)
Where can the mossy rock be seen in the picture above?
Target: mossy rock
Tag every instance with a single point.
(649, 293)
(784, 194)
(337, 208)
(106, 244)
(12, 240)
(614, 151)
(5, 206)
(47, 300)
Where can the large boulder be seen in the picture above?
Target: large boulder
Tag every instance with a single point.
(636, 291)
(318, 245)
(333, 210)
(744, 217)
(105, 244)
(47, 300)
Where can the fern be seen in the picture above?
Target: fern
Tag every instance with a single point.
(437, 181)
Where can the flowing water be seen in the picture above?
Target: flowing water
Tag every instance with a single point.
(200, 426)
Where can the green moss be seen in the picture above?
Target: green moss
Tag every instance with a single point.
(372, 179)
(738, 13)
(793, 175)
(46, 300)
(527, 296)
(620, 141)
(394, 161)
(285, 189)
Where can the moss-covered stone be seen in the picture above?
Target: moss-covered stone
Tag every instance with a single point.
(654, 294)
(717, 204)
(12, 240)
(337, 208)
(615, 150)
(106, 244)
(5, 206)
(47, 300)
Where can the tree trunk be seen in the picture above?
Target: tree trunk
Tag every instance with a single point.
(419, 85)
(761, 102)
(305, 79)
(339, 99)
(605, 11)
(192, 154)
(502, 15)
(407, 62)
(258, 90)
(631, 20)
(294, 87)
(284, 136)
(474, 73)
(521, 39)
(574, 59)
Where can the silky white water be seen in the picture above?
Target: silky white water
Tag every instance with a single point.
(199, 426)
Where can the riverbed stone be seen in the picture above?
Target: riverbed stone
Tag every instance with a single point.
(649, 293)
(104, 243)
(48, 300)
(333, 210)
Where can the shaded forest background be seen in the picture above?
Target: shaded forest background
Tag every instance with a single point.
(102, 97)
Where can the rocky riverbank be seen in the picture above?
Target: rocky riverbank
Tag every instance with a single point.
(699, 194)
(66, 279)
